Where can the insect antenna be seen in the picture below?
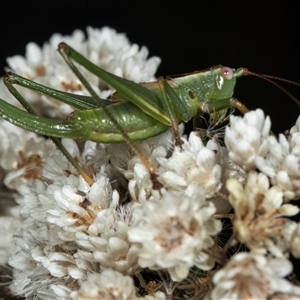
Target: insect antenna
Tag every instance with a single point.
(272, 79)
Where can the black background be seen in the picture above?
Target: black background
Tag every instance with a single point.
(188, 35)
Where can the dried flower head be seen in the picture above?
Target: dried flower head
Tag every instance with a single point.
(175, 232)
(252, 276)
(260, 218)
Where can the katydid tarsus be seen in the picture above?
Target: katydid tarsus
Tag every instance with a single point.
(136, 111)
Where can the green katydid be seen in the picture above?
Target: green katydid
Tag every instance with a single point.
(136, 111)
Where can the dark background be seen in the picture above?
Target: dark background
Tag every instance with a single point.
(262, 36)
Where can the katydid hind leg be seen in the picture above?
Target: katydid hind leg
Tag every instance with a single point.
(77, 101)
(66, 52)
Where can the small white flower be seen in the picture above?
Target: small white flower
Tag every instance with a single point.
(245, 138)
(8, 228)
(73, 205)
(251, 276)
(172, 232)
(229, 170)
(194, 163)
(282, 163)
(23, 156)
(295, 242)
(110, 246)
(296, 127)
(108, 285)
(37, 265)
(56, 166)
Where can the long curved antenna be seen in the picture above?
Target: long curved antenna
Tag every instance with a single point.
(278, 78)
(270, 79)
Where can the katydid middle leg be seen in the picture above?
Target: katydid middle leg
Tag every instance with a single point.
(77, 101)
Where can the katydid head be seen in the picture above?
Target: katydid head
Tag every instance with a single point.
(224, 80)
(219, 92)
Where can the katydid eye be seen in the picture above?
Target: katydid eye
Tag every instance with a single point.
(227, 73)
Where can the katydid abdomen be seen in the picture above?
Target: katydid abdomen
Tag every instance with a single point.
(98, 128)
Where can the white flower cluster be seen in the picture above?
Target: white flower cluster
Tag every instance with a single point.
(250, 276)
(173, 232)
(251, 146)
(117, 237)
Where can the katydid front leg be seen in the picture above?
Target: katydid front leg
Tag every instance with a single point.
(209, 107)
(169, 98)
